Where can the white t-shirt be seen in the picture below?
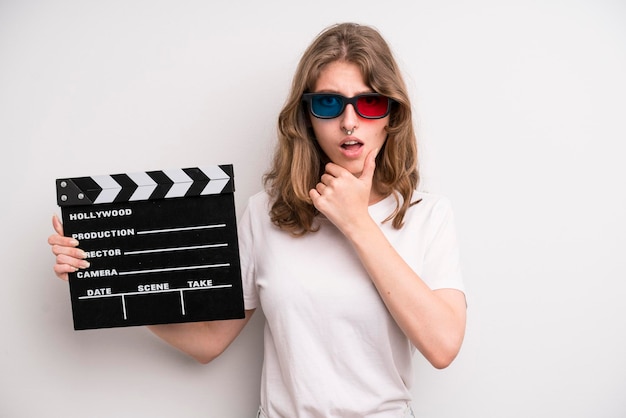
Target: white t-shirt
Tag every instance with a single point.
(331, 348)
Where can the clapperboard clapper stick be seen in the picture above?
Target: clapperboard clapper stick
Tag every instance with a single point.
(162, 247)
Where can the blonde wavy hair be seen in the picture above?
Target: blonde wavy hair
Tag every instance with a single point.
(298, 161)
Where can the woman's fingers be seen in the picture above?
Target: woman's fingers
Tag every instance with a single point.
(62, 270)
(69, 258)
(73, 262)
(57, 225)
(63, 246)
(66, 264)
(58, 240)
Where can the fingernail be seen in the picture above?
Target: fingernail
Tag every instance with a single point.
(73, 242)
(82, 254)
(84, 264)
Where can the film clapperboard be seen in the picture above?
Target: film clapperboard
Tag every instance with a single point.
(162, 247)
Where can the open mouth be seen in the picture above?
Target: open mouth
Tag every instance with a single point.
(351, 145)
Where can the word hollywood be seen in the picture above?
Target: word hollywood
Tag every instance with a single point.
(99, 214)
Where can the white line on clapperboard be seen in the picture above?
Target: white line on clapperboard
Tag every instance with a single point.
(181, 290)
(162, 250)
(189, 228)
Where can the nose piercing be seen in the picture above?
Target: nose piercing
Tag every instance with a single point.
(349, 132)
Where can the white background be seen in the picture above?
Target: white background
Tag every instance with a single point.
(521, 114)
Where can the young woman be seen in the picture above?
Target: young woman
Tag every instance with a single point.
(353, 267)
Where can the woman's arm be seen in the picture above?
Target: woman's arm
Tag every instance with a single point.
(203, 341)
(434, 320)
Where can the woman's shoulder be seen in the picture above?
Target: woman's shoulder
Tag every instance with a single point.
(258, 204)
(430, 199)
(259, 199)
(433, 204)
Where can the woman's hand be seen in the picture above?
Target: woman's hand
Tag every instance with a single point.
(344, 198)
(69, 258)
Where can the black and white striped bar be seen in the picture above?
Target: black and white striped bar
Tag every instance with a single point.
(145, 185)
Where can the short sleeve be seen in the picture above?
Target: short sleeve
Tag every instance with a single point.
(246, 255)
(442, 266)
